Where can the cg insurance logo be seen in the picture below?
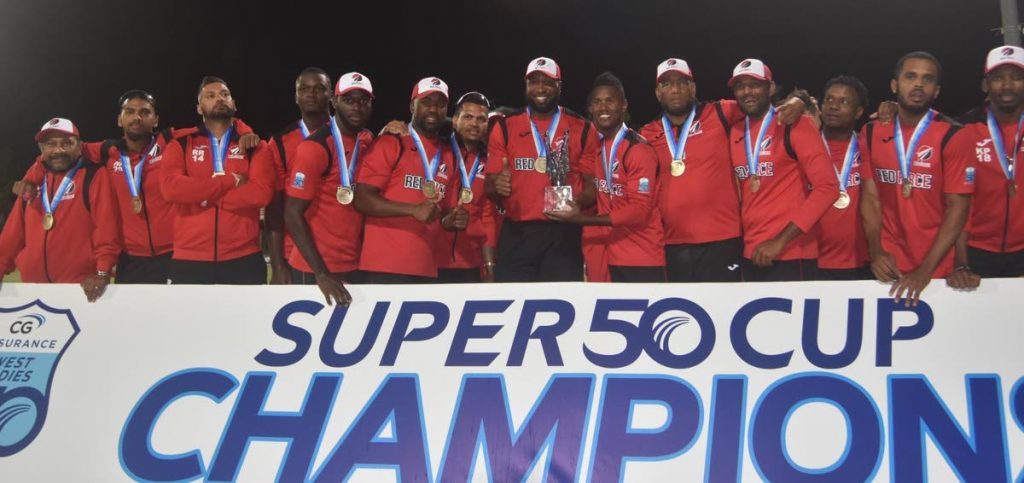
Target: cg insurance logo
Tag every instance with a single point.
(33, 338)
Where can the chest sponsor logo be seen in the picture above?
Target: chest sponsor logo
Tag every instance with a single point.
(892, 176)
(614, 190)
(523, 164)
(413, 182)
(235, 153)
(765, 169)
(924, 156)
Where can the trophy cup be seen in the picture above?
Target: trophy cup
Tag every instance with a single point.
(558, 195)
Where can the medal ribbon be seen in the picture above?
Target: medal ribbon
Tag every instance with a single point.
(753, 158)
(906, 156)
(345, 170)
(851, 153)
(1008, 163)
(51, 206)
(219, 147)
(467, 181)
(429, 167)
(134, 176)
(608, 159)
(542, 144)
(678, 148)
(305, 130)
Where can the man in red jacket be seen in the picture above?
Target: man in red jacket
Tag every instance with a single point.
(992, 244)
(218, 190)
(313, 98)
(626, 190)
(917, 176)
(69, 233)
(318, 212)
(774, 164)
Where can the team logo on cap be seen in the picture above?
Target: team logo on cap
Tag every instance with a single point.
(1008, 51)
(671, 62)
(744, 64)
(435, 82)
(357, 78)
(55, 121)
(541, 62)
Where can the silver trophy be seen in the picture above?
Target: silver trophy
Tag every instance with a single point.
(558, 195)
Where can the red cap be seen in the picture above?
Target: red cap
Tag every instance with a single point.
(545, 66)
(58, 125)
(428, 85)
(751, 68)
(353, 81)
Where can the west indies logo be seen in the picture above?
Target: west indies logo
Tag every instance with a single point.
(33, 338)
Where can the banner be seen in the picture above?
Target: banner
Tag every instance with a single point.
(788, 382)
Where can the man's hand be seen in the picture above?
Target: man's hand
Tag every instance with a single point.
(95, 285)
(488, 272)
(25, 190)
(333, 289)
(912, 284)
(280, 275)
(503, 181)
(426, 212)
(963, 278)
(395, 127)
(248, 141)
(240, 179)
(790, 111)
(766, 252)
(457, 219)
(883, 266)
(566, 216)
(887, 111)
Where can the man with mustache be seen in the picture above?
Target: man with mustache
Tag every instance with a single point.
(992, 245)
(626, 189)
(697, 195)
(69, 233)
(531, 247)
(842, 249)
(313, 97)
(405, 185)
(217, 189)
(318, 210)
(774, 165)
(917, 177)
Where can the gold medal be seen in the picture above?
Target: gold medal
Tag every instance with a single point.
(755, 183)
(136, 205)
(541, 165)
(907, 188)
(48, 222)
(344, 195)
(677, 167)
(843, 201)
(429, 189)
(466, 195)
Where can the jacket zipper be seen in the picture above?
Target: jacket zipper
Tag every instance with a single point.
(1006, 222)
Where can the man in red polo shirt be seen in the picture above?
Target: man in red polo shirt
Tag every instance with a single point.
(992, 244)
(842, 249)
(218, 190)
(774, 164)
(697, 194)
(69, 232)
(405, 185)
(460, 254)
(313, 97)
(626, 185)
(917, 176)
(318, 211)
(531, 247)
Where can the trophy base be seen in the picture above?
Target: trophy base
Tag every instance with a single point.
(557, 198)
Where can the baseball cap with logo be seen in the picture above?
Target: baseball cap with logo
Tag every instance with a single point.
(57, 125)
(352, 81)
(751, 68)
(1005, 55)
(428, 85)
(545, 66)
(674, 65)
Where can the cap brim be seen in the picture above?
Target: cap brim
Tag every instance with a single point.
(752, 76)
(997, 65)
(546, 73)
(354, 88)
(426, 93)
(45, 132)
(680, 72)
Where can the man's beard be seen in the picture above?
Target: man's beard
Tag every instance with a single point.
(220, 114)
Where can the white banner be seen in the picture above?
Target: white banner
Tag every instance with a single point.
(527, 382)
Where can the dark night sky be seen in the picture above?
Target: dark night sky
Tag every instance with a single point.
(73, 59)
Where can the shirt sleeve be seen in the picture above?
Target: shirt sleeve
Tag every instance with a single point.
(496, 151)
(641, 178)
(958, 163)
(258, 189)
(380, 159)
(590, 154)
(732, 111)
(106, 220)
(304, 179)
(864, 146)
(280, 174)
(820, 172)
(178, 187)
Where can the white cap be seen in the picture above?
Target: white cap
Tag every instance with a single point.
(1007, 54)
(751, 68)
(352, 81)
(545, 66)
(674, 65)
(58, 125)
(427, 85)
